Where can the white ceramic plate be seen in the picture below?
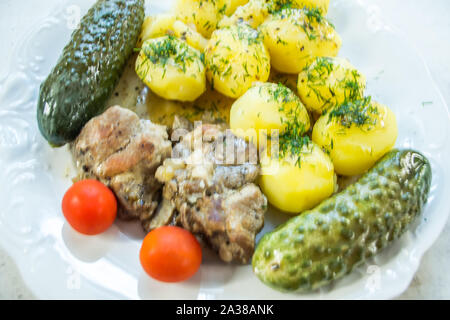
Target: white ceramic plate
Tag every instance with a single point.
(56, 262)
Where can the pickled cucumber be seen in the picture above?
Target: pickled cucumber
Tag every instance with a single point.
(327, 242)
(87, 71)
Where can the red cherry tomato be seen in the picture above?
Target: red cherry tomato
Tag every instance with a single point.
(170, 254)
(90, 207)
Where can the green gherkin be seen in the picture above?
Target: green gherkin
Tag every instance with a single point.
(87, 71)
(360, 221)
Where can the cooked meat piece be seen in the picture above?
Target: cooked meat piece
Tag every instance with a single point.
(163, 216)
(123, 152)
(211, 185)
(181, 123)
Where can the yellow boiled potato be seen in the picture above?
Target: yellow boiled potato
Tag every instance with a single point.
(293, 187)
(322, 5)
(327, 82)
(192, 37)
(171, 69)
(235, 58)
(232, 5)
(204, 14)
(167, 24)
(266, 106)
(295, 36)
(254, 12)
(155, 27)
(356, 134)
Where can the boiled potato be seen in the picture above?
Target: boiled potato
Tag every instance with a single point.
(321, 5)
(254, 12)
(294, 187)
(266, 106)
(232, 5)
(171, 68)
(295, 36)
(204, 14)
(167, 24)
(327, 82)
(155, 27)
(192, 37)
(235, 58)
(356, 134)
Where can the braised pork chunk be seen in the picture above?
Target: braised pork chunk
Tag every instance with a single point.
(123, 152)
(209, 186)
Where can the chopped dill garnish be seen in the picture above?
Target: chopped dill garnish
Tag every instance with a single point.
(314, 14)
(281, 41)
(227, 71)
(305, 18)
(358, 112)
(317, 74)
(293, 140)
(223, 9)
(278, 5)
(281, 94)
(323, 66)
(160, 52)
(252, 36)
(207, 25)
(219, 63)
(351, 87)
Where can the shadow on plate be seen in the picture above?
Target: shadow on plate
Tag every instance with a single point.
(88, 248)
(131, 229)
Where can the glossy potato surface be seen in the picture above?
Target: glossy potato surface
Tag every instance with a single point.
(294, 188)
(357, 139)
(327, 82)
(236, 58)
(296, 36)
(266, 106)
(171, 69)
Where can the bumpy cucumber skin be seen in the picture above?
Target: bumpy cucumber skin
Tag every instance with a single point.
(87, 71)
(327, 242)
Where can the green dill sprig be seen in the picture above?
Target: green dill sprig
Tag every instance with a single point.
(359, 112)
(281, 94)
(305, 18)
(223, 9)
(275, 6)
(293, 140)
(160, 52)
(352, 89)
(314, 14)
(317, 73)
(323, 66)
(252, 36)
